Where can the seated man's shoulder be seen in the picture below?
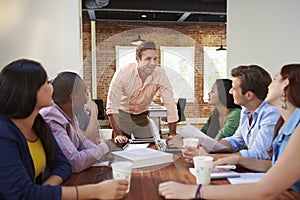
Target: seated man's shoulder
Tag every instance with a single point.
(52, 114)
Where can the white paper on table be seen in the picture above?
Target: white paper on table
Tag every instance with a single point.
(207, 142)
(246, 178)
(101, 164)
(135, 146)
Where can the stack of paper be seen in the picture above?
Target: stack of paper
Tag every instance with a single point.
(144, 157)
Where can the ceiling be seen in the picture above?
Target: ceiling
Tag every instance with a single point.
(177, 11)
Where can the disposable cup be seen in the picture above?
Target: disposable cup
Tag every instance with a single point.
(105, 134)
(122, 170)
(203, 166)
(190, 142)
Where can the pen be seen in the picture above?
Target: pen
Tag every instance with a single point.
(226, 166)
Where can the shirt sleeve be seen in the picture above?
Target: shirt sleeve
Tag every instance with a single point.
(259, 139)
(81, 153)
(59, 165)
(166, 92)
(231, 124)
(261, 144)
(114, 94)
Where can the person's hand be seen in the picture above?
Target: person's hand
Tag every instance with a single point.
(230, 160)
(121, 139)
(175, 190)
(111, 189)
(91, 106)
(190, 152)
(174, 141)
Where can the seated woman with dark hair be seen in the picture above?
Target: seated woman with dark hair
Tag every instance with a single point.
(224, 119)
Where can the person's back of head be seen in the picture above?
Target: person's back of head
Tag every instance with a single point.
(20, 81)
(253, 78)
(223, 87)
(145, 46)
(63, 85)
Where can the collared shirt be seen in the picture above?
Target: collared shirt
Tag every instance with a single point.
(283, 138)
(258, 135)
(128, 93)
(80, 151)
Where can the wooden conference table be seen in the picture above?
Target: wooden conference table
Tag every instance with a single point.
(145, 181)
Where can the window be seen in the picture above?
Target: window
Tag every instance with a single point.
(215, 66)
(178, 63)
(125, 55)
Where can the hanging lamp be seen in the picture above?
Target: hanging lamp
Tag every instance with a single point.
(138, 41)
(221, 48)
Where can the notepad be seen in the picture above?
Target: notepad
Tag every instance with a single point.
(144, 157)
(218, 175)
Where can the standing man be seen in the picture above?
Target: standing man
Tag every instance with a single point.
(131, 92)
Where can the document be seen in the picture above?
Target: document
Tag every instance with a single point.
(207, 142)
(246, 178)
(128, 146)
(144, 157)
(218, 175)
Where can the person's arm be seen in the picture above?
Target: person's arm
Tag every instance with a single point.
(118, 134)
(231, 124)
(80, 151)
(58, 168)
(168, 101)
(273, 183)
(249, 163)
(172, 128)
(110, 189)
(263, 132)
(113, 104)
(91, 131)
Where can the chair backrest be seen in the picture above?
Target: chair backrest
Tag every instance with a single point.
(101, 112)
(180, 108)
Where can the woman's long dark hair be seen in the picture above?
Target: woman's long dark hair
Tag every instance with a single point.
(19, 82)
(223, 87)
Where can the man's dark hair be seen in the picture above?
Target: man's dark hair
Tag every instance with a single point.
(144, 46)
(63, 85)
(253, 78)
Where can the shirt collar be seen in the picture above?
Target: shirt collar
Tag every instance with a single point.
(62, 112)
(292, 123)
(260, 107)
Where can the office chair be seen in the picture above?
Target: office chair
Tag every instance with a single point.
(101, 112)
(180, 109)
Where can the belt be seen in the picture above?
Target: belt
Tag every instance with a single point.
(141, 114)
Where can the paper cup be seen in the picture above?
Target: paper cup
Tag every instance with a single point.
(105, 134)
(203, 166)
(190, 142)
(122, 170)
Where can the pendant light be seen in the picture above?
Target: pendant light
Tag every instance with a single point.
(138, 41)
(221, 48)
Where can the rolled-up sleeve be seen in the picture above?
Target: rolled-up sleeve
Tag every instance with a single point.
(258, 137)
(168, 97)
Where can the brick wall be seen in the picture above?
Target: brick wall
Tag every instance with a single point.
(110, 34)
